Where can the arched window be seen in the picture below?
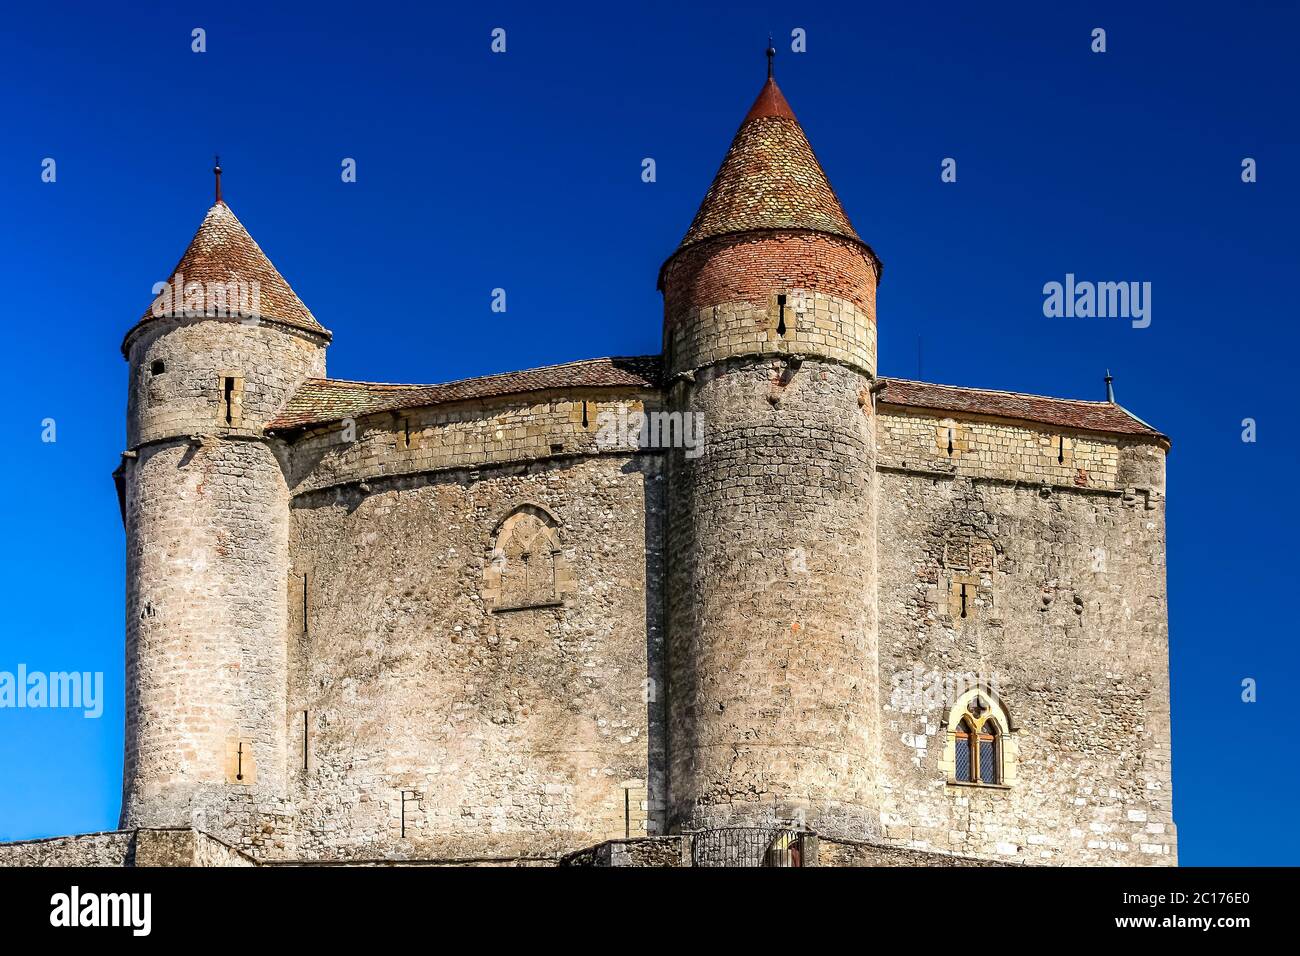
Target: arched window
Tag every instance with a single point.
(988, 762)
(964, 754)
(979, 750)
(526, 566)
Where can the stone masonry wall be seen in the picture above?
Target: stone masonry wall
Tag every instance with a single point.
(772, 695)
(847, 853)
(206, 509)
(186, 397)
(770, 338)
(111, 848)
(117, 848)
(206, 612)
(468, 435)
(513, 733)
(1016, 451)
(1067, 614)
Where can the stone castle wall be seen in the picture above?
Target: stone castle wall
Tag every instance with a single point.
(1067, 616)
(518, 728)
(178, 368)
(508, 632)
(523, 733)
(986, 447)
(470, 435)
(118, 848)
(207, 530)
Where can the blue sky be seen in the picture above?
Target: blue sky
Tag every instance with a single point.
(522, 171)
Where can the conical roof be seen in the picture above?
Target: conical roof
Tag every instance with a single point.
(770, 179)
(222, 252)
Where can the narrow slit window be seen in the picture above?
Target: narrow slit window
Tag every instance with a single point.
(228, 399)
(780, 323)
(1060, 451)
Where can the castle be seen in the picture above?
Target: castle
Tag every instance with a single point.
(787, 609)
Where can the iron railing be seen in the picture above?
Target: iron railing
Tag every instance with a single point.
(748, 847)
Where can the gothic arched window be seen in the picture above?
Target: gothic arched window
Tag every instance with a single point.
(526, 566)
(979, 749)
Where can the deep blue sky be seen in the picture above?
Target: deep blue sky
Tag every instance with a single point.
(522, 171)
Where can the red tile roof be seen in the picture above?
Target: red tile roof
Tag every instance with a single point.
(1065, 412)
(770, 179)
(322, 400)
(222, 251)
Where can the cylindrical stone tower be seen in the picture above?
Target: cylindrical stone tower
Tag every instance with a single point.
(769, 337)
(206, 509)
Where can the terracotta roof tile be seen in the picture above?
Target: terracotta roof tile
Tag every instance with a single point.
(1103, 417)
(770, 179)
(222, 251)
(322, 400)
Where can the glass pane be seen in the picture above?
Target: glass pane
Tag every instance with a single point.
(964, 769)
(990, 728)
(988, 761)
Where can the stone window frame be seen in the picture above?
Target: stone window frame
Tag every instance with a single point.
(563, 576)
(153, 385)
(954, 433)
(960, 567)
(990, 708)
(236, 398)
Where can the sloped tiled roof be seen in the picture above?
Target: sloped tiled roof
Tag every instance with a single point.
(770, 179)
(221, 252)
(1074, 413)
(322, 400)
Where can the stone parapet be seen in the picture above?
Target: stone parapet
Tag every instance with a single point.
(980, 447)
(469, 435)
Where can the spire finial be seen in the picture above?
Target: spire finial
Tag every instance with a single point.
(1110, 388)
(771, 55)
(216, 171)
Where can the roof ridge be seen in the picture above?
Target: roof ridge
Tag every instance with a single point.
(1135, 417)
(1000, 391)
(323, 400)
(478, 378)
(1080, 413)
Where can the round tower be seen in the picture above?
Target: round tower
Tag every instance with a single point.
(206, 509)
(770, 337)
